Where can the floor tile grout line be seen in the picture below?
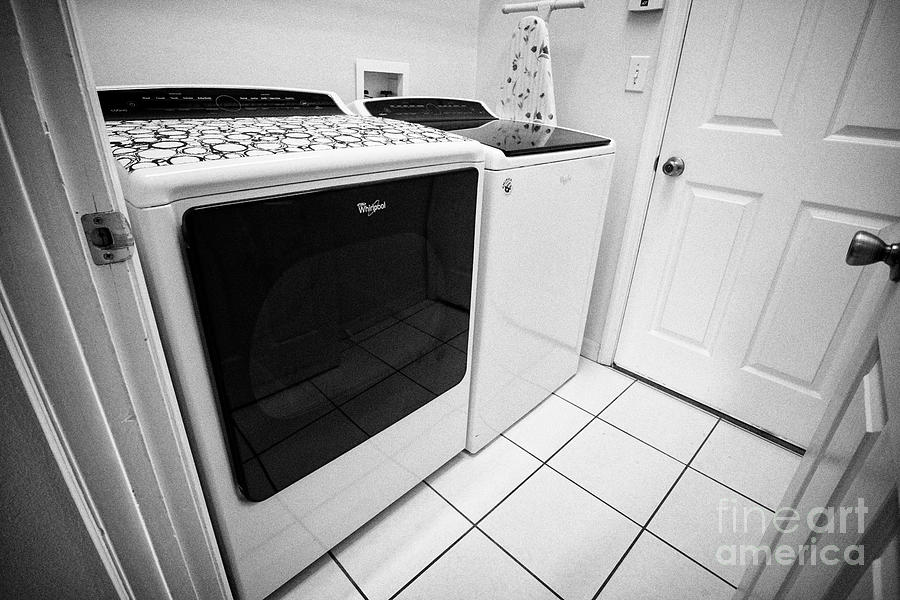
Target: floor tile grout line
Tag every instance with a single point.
(695, 469)
(543, 462)
(605, 408)
(475, 524)
(586, 411)
(518, 562)
(347, 575)
(558, 450)
(683, 471)
(431, 563)
(687, 466)
(703, 443)
(646, 443)
(598, 417)
(731, 489)
(453, 506)
(643, 527)
(564, 476)
(502, 500)
(665, 497)
(653, 514)
(495, 542)
(582, 409)
(511, 492)
(618, 563)
(693, 560)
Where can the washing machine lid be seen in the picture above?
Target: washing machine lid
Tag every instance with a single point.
(515, 138)
(473, 120)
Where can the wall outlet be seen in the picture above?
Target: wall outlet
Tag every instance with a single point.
(637, 73)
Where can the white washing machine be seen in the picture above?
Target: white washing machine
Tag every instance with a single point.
(312, 274)
(545, 193)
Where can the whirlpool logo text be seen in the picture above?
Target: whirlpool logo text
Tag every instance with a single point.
(371, 209)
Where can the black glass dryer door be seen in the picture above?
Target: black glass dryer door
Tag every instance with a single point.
(331, 315)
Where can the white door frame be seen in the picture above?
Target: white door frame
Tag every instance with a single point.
(83, 337)
(674, 29)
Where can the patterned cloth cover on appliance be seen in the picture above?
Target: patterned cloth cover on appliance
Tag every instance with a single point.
(160, 142)
(526, 93)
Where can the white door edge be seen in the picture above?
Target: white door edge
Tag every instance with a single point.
(769, 576)
(674, 28)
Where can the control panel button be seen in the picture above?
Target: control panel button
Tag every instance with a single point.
(229, 103)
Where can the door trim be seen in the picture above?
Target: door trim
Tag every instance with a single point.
(87, 333)
(59, 449)
(674, 29)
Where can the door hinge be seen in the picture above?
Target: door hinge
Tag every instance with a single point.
(655, 163)
(109, 236)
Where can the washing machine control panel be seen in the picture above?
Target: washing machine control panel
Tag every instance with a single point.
(429, 110)
(195, 102)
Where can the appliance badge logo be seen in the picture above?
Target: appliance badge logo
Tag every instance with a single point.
(371, 209)
(507, 185)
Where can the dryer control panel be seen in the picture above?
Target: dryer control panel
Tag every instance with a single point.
(199, 102)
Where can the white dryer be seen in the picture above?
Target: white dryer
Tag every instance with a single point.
(312, 274)
(545, 195)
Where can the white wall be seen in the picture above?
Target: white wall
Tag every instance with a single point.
(309, 43)
(590, 49)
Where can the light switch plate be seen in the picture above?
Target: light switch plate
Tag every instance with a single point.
(641, 5)
(637, 73)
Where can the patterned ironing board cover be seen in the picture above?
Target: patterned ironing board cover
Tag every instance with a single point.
(142, 144)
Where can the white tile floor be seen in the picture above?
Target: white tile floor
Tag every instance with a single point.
(610, 489)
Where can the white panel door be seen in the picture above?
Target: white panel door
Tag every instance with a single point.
(787, 116)
(844, 543)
